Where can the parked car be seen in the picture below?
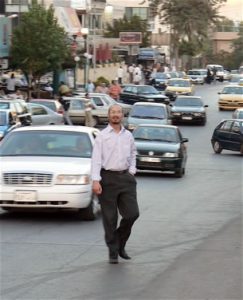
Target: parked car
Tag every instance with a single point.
(142, 93)
(76, 111)
(8, 122)
(42, 115)
(238, 113)
(104, 100)
(228, 135)
(189, 109)
(147, 113)
(18, 108)
(179, 86)
(48, 167)
(159, 80)
(231, 97)
(197, 76)
(161, 148)
(53, 104)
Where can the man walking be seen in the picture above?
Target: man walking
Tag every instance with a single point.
(113, 169)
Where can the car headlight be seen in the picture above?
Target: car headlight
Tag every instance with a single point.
(198, 114)
(131, 126)
(72, 179)
(1, 134)
(150, 100)
(170, 154)
(176, 113)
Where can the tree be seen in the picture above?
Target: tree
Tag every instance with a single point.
(237, 55)
(189, 21)
(39, 44)
(135, 23)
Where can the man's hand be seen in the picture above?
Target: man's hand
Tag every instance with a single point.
(97, 189)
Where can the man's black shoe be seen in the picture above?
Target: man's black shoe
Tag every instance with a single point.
(123, 254)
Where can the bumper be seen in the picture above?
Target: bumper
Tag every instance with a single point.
(230, 106)
(163, 164)
(46, 197)
(191, 119)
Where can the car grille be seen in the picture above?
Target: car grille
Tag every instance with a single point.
(148, 153)
(27, 179)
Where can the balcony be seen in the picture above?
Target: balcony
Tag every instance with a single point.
(16, 6)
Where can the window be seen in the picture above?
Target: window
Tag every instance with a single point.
(141, 12)
(77, 104)
(39, 111)
(97, 101)
(226, 126)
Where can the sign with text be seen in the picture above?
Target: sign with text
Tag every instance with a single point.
(130, 38)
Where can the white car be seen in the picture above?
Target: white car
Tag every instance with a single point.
(48, 167)
(42, 115)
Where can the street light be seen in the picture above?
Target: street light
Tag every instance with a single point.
(76, 59)
(85, 32)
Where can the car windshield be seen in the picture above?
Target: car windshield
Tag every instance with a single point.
(161, 76)
(47, 143)
(150, 133)
(4, 105)
(233, 90)
(147, 90)
(49, 104)
(179, 83)
(194, 73)
(3, 118)
(240, 115)
(188, 102)
(147, 112)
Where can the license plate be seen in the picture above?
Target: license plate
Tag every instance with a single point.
(150, 159)
(25, 196)
(186, 118)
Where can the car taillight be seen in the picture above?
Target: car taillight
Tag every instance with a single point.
(60, 111)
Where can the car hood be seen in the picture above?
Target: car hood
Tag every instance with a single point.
(154, 96)
(187, 109)
(178, 89)
(137, 121)
(231, 97)
(156, 146)
(61, 165)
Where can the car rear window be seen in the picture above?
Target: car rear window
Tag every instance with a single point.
(49, 104)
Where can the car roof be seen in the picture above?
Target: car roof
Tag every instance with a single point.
(47, 100)
(70, 128)
(188, 97)
(149, 104)
(158, 125)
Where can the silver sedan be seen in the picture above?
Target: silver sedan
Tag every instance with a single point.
(42, 115)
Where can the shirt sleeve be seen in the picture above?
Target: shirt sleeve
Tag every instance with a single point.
(132, 167)
(96, 161)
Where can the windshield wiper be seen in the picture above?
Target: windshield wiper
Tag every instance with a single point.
(152, 117)
(143, 139)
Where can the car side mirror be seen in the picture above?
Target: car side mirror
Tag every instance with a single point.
(206, 105)
(184, 140)
(219, 93)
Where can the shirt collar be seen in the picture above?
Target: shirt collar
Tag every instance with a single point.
(110, 128)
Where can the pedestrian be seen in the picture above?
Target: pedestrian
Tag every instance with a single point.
(64, 90)
(115, 90)
(208, 77)
(130, 70)
(90, 88)
(113, 168)
(11, 84)
(65, 104)
(102, 88)
(89, 120)
(120, 74)
(136, 78)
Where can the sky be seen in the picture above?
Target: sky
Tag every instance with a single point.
(233, 9)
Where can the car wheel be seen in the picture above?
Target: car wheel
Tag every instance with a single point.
(90, 212)
(217, 147)
(179, 172)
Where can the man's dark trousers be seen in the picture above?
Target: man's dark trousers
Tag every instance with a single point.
(118, 193)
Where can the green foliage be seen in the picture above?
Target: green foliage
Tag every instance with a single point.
(102, 79)
(189, 21)
(225, 25)
(135, 23)
(39, 44)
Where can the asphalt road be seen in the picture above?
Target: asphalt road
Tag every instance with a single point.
(186, 245)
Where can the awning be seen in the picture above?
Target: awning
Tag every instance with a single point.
(68, 19)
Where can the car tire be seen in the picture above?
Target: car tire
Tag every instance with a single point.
(179, 172)
(90, 213)
(217, 147)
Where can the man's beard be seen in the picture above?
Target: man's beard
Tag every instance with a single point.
(115, 121)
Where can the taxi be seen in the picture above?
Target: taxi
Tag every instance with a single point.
(231, 97)
(179, 86)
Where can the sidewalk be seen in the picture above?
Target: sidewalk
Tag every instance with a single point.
(109, 72)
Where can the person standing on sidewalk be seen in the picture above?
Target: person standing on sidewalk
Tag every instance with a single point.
(113, 169)
(89, 120)
(120, 74)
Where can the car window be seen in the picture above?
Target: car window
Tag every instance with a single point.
(226, 126)
(147, 90)
(156, 133)
(188, 102)
(38, 111)
(4, 105)
(3, 118)
(47, 143)
(49, 104)
(147, 111)
(128, 89)
(77, 104)
(97, 101)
